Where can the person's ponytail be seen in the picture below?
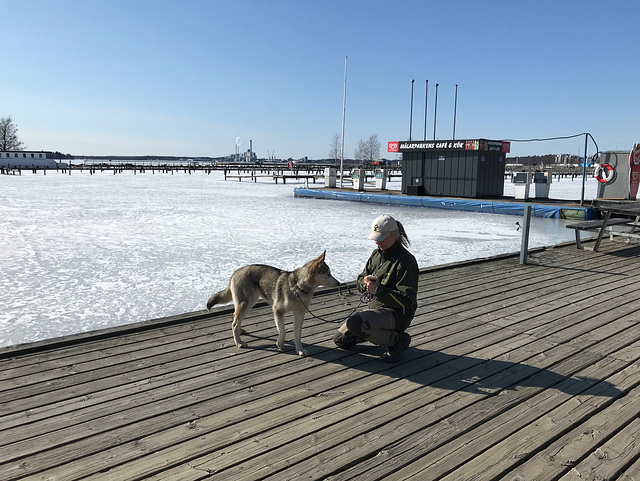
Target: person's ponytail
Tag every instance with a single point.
(402, 235)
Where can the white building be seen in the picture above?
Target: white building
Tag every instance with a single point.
(29, 159)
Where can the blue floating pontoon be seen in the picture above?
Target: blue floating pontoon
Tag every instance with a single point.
(472, 205)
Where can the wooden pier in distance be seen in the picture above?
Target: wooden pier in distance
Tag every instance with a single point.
(515, 372)
(277, 175)
(302, 172)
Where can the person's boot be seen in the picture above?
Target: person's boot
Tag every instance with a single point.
(395, 351)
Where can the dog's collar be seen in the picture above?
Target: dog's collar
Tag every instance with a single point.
(300, 289)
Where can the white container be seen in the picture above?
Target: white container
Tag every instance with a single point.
(358, 176)
(521, 184)
(330, 174)
(541, 183)
(381, 179)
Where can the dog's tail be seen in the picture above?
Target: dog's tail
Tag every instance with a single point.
(219, 298)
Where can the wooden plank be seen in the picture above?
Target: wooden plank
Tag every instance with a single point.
(607, 461)
(488, 464)
(632, 473)
(567, 451)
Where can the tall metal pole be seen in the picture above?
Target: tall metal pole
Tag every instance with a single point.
(455, 108)
(411, 115)
(344, 110)
(426, 95)
(435, 114)
(584, 169)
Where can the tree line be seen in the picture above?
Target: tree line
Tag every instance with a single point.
(367, 150)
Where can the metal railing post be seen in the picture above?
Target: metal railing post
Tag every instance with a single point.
(526, 227)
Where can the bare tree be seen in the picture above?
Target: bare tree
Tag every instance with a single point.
(368, 150)
(373, 148)
(335, 148)
(9, 135)
(359, 152)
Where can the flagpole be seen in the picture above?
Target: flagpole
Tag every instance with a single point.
(455, 108)
(411, 115)
(435, 113)
(426, 95)
(344, 109)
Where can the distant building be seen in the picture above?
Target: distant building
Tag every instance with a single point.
(249, 156)
(29, 159)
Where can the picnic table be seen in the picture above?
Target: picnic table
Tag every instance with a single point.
(623, 208)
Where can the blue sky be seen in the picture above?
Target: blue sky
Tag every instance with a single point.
(189, 77)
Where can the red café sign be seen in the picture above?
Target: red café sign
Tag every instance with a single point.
(476, 144)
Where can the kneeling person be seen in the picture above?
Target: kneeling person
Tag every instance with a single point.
(391, 277)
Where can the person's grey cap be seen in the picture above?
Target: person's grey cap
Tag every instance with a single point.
(382, 226)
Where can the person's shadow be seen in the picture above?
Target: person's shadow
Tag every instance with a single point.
(459, 372)
(468, 373)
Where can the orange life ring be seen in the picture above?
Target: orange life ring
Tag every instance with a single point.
(604, 173)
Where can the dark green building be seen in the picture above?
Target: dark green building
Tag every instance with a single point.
(453, 168)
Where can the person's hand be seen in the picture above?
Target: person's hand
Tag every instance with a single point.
(371, 283)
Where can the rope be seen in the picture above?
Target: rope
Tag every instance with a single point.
(563, 137)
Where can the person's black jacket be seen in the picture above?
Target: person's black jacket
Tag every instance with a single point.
(397, 271)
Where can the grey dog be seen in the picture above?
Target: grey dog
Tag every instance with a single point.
(286, 291)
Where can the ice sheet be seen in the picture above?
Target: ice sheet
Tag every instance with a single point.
(81, 252)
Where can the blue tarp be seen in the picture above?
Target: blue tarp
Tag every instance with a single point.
(472, 205)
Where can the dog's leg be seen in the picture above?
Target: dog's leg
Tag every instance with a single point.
(236, 327)
(298, 319)
(278, 316)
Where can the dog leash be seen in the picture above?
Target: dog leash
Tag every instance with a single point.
(365, 298)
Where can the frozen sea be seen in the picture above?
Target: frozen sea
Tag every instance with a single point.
(82, 252)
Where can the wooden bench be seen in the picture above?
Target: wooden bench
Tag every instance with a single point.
(597, 224)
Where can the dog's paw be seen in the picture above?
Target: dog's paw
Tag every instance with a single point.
(303, 352)
(280, 345)
(241, 344)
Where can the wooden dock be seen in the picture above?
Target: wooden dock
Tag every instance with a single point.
(276, 174)
(299, 172)
(515, 373)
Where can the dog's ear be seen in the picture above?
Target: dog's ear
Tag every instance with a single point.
(318, 261)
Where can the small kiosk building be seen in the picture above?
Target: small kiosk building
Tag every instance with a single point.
(456, 168)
